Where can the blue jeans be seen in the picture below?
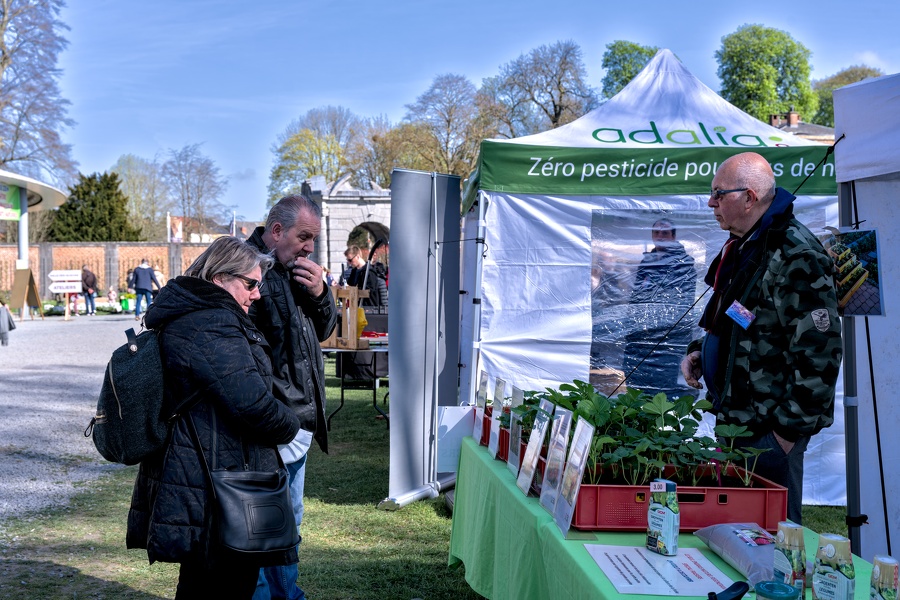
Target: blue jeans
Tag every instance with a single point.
(277, 583)
(141, 293)
(89, 305)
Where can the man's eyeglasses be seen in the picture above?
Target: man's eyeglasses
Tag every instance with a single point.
(252, 284)
(717, 194)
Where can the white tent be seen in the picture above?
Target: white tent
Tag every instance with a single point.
(867, 160)
(556, 208)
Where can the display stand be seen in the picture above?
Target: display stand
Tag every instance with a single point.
(25, 293)
(349, 336)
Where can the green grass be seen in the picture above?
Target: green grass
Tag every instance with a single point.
(350, 550)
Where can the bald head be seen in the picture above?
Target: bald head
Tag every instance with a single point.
(753, 182)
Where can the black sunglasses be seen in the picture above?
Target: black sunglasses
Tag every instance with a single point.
(717, 194)
(252, 284)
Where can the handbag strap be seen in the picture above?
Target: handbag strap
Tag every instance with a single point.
(206, 469)
(193, 430)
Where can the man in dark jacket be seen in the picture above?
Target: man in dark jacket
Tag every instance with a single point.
(143, 278)
(772, 349)
(664, 288)
(295, 313)
(89, 289)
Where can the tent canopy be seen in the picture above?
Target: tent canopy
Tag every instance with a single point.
(867, 112)
(664, 133)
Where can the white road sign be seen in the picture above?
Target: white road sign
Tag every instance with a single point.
(65, 287)
(67, 275)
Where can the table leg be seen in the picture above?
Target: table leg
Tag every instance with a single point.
(340, 358)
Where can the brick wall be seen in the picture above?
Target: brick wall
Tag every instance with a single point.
(110, 261)
(8, 255)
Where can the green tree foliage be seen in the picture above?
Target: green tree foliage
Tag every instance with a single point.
(144, 185)
(317, 143)
(765, 71)
(300, 156)
(824, 88)
(622, 61)
(32, 109)
(95, 212)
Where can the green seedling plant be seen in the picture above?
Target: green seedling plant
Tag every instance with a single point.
(748, 456)
(638, 437)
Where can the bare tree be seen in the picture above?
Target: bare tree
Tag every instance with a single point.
(195, 186)
(447, 112)
(143, 183)
(32, 110)
(549, 81)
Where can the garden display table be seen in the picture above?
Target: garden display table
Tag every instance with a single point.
(511, 547)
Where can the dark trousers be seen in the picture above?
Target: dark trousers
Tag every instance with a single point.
(227, 579)
(778, 467)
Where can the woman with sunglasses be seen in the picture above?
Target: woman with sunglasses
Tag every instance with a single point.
(209, 347)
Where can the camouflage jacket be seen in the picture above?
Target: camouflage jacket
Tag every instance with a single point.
(780, 372)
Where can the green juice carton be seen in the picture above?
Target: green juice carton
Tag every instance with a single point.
(663, 518)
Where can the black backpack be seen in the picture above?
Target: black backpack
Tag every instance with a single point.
(129, 425)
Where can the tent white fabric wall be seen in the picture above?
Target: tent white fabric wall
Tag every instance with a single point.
(868, 160)
(651, 150)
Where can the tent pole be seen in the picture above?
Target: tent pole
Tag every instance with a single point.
(851, 399)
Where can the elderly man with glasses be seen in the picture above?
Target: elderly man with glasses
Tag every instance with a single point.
(772, 348)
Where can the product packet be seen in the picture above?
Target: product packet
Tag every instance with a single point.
(745, 546)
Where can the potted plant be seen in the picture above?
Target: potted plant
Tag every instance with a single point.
(639, 437)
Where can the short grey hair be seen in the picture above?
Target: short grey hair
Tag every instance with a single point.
(289, 208)
(228, 255)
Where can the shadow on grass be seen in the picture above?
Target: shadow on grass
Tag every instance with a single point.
(30, 579)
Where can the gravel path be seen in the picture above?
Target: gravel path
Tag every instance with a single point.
(50, 376)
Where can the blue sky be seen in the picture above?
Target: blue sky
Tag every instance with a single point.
(145, 77)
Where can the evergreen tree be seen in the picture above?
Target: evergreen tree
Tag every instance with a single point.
(95, 212)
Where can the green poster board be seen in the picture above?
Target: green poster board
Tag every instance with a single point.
(10, 207)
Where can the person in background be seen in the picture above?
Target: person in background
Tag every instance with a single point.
(112, 296)
(295, 312)
(329, 278)
(364, 275)
(772, 349)
(160, 277)
(6, 323)
(143, 279)
(209, 345)
(89, 290)
(664, 289)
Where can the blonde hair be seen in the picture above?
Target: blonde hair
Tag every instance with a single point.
(227, 256)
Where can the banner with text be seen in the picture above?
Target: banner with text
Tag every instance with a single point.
(530, 169)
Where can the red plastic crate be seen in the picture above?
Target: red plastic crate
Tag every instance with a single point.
(503, 449)
(624, 507)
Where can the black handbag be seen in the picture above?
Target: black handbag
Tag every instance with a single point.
(252, 510)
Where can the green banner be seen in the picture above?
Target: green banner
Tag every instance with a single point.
(509, 167)
(10, 209)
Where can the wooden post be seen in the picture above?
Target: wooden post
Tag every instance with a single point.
(347, 338)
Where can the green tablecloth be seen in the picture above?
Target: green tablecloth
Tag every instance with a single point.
(511, 547)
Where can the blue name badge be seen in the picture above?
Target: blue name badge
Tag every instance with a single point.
(740, 315)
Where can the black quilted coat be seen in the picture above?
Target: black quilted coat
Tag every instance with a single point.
(208, 344)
